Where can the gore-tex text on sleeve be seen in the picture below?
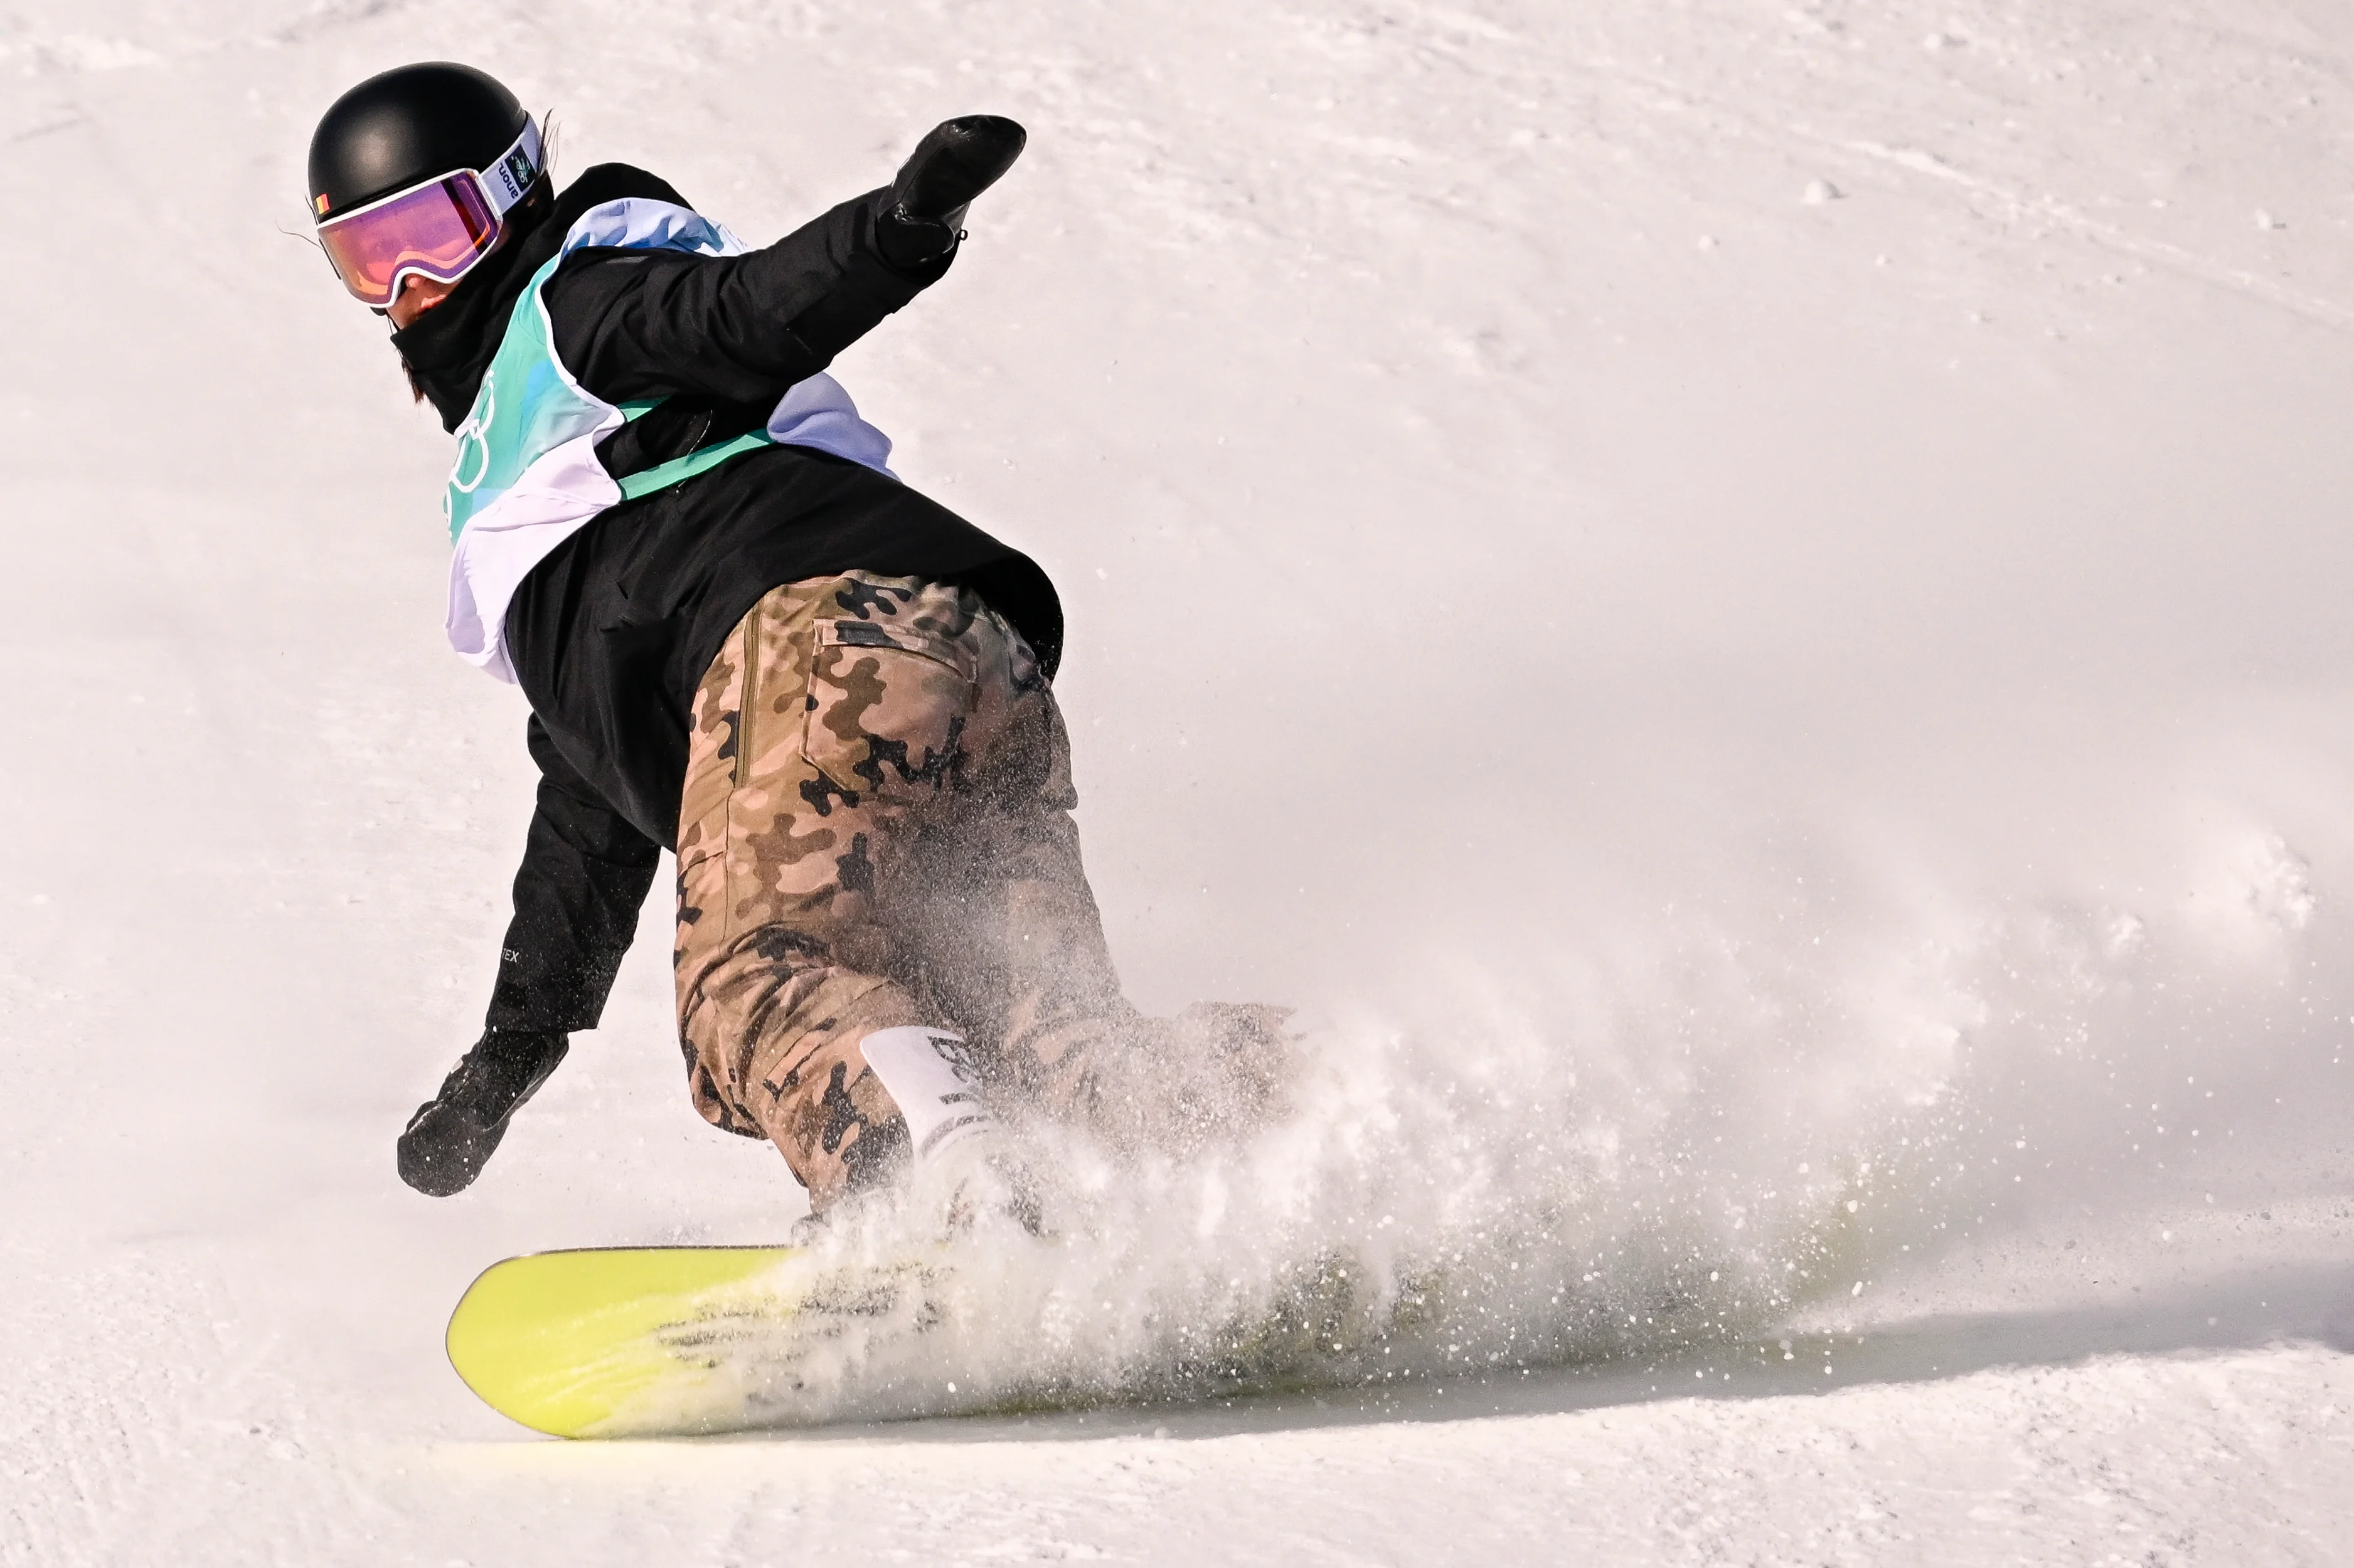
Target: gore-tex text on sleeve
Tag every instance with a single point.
(585, 873)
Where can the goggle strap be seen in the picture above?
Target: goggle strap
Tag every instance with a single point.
(509, 179)
(507, 182)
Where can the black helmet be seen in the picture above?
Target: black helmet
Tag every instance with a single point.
(406, 126)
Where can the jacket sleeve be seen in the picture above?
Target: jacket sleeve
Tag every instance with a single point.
(584, 877)
(655, 324)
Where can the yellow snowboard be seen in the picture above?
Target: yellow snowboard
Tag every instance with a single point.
(615, 1340)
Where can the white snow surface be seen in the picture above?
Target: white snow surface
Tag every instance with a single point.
(1741, 601)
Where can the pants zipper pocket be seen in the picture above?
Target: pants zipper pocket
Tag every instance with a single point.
(751, 695)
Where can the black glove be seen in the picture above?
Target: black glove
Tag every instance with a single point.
(450, 1138)
(960, 159)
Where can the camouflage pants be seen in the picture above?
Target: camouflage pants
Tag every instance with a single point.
(875, 833)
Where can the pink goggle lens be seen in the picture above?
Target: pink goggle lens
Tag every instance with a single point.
(440, 230)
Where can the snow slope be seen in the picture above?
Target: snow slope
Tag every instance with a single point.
(1741, 601)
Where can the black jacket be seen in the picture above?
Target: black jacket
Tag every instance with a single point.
(611, 633)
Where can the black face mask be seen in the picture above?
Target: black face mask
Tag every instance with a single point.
(446, 350)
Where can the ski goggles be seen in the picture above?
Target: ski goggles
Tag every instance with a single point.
(439, 228)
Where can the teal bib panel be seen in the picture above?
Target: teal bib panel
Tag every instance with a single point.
(529, 404)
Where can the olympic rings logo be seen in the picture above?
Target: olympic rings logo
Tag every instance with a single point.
(474, 436)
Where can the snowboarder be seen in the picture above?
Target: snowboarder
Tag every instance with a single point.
(742, 638)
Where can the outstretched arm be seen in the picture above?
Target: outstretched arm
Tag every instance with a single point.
(643, 324)
(585, 873)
